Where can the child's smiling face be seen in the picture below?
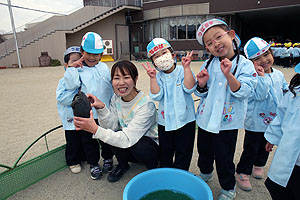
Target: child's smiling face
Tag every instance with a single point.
(91, 59)
(219, 42)
(266, 60)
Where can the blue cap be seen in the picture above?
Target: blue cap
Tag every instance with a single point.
(73, 49)
(156, 45)
(255, 47)
(92, 43)
(297, 68)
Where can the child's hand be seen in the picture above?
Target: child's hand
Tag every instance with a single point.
(186, 61)
(259, 69)
(95, 102)
(269, 147)
(202, 77)
(78, 63)
(226, 65)
(150, 71)
(87, 124)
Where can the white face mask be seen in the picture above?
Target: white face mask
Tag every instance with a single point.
(164, 62)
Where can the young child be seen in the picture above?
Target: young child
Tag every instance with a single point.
(261, 111)
(89, 75)
(172, 86)
(129, 124)
(284, 174)
(225, 82)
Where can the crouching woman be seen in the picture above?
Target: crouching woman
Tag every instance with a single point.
(129, 124)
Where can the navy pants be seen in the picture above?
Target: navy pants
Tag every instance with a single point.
(80, 146)
(220, 148)
(180, 143)
(145, 151)
(254, 152)
(290, 192)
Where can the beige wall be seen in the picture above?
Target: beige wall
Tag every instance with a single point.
(105, 27)
(178, 10)
(54, 44)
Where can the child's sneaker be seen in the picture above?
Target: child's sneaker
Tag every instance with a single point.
(96, 172)
(227, 194)
(258, 172)
(243, 181)
(75, 169)
(206, 177)
(107, 165)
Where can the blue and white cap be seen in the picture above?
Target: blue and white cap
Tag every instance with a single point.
(92, 43)
(210, 23)
(297, 68)
(73, 49)
(156, 45)
(255, 47)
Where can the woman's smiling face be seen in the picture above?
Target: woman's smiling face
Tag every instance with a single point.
(124, 85)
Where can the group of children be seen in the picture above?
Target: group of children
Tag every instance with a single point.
(286, 54)
(236, 93)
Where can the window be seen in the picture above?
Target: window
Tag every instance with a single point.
(173, 32)
(182, 32)
(191, 32)
(175, 28)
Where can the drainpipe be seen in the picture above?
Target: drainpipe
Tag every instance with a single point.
(14, 31)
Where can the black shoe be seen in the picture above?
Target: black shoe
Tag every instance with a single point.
(96, 172)
(107, 165)
(117, 173)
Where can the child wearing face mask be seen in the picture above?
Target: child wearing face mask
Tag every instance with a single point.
(225, 83)
(172, 86)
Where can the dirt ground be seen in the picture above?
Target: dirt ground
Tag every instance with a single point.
(28, 109)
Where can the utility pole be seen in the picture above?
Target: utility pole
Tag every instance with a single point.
(14, 31)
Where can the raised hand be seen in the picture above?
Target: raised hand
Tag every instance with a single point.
(150, 71)
(259, 69)
(226, 65)
(269, 147)
(78, 63)
(87, 124)
(202, 77)
(95, 102)
(186, 61)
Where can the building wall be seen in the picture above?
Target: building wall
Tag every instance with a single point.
(107, 29)
(54, 44)
(226, 6)
(217, 6)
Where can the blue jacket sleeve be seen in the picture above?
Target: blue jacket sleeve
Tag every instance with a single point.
(158, 96)
(247, 78)
(285, 85)
(64, 96)
(260, 93)
(274, 132)
(189, 91)
(72, 79)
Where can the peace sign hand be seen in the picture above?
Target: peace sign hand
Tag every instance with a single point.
(186, 61)
(78, 63)
(150, 71)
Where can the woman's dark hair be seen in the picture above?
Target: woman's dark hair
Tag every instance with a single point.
(236, 51)
(295, 81)
(125, 66)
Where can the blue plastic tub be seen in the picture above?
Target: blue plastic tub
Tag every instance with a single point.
(167, 179)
